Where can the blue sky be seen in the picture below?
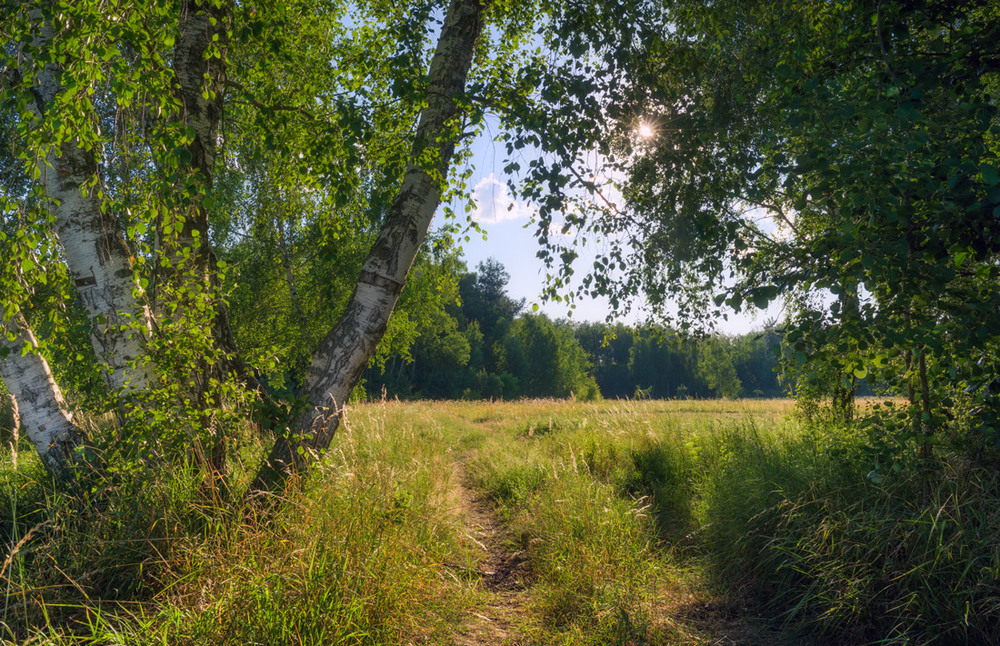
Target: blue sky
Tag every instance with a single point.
(510, 239)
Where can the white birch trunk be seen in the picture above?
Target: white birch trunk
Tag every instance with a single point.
(343, 354)
(39, 402)
(95, 252)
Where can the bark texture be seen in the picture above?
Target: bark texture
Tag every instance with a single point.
(97, 257)
(39, 402)
(98, 263)
(344, 352)
(98, 260)
(200, 83)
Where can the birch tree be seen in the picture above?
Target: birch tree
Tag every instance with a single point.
(141, 263)
(58, 116)
(342, 356)
(41, 408)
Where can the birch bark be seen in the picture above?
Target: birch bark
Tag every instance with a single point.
(344, 352)
(98, 263)
(96, 255)
(187, 273)
(40, 405)
(202, 88)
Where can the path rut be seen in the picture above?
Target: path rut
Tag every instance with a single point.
(504, 570)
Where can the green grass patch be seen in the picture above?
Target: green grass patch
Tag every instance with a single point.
(354, 558)
(642, 522)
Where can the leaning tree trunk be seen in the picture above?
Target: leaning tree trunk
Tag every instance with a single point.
(343, 354)
(96, 255)
(42, 410)
(98, 263)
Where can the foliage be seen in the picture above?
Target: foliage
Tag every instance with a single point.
(249, 152)
(467, 342)
(532, 356)
(552, 363)
(840, 155)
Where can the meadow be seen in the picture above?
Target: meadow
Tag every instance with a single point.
(535, 522)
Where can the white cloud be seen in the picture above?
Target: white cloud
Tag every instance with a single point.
(495, 204)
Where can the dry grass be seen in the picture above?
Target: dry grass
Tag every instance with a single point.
(532, 522)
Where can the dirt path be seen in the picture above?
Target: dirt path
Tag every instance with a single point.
(504, 571)
(505, 575)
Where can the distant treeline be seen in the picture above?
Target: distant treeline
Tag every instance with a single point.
(482, 345)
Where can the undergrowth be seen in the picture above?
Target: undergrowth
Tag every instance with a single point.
(353, 558)
(642, 523)
(910, 559)
(786, 521)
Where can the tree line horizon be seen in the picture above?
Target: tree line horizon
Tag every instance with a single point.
(485, 345)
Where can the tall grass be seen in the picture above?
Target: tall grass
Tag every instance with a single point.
(354, 558)
(912, 559)
(779, 516)
(634, 517)
(590, 490)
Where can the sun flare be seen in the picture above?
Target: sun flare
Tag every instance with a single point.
(645, 131)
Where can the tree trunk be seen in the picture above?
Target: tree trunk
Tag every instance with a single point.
(286, 261)
(343, 354)
(926, 417)
(99, 265)
(843, 397)
(190, 274)
(39, 402)
(98, 260)
(95, 251)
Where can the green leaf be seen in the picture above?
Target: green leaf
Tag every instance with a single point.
(989, 173)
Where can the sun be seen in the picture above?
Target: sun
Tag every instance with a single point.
(645, 131)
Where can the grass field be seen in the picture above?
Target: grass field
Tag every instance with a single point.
(536, 522)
